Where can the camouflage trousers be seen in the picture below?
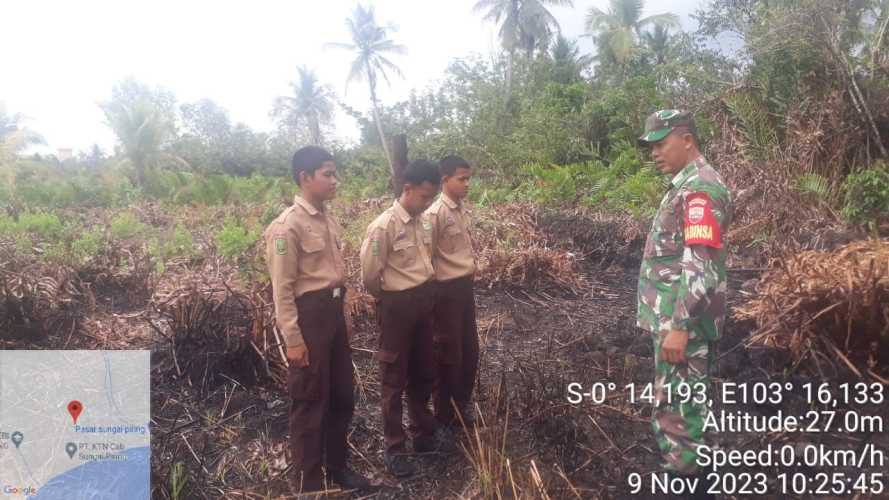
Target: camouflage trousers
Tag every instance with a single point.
(679, 412)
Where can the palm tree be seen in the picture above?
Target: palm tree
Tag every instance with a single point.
(311, 105)
(370, 43)
(659, 42)
(524, 24)
(567, 62)
(617, 31)
(141, 130)
(14, 136)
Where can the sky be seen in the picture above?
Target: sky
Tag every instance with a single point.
(64, 57)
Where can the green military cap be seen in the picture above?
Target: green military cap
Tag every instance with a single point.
(660, 123)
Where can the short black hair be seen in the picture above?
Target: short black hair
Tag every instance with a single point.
(449, 164)
(689, 128)
(420, 171)
(308, 160)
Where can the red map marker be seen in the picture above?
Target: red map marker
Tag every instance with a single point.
(74, 408)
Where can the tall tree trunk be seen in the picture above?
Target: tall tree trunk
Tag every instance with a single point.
(399, 160)
(139, 166)
(315, 130)
(371, 78)
(510, 56)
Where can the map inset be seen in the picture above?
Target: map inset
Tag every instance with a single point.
(74, 425)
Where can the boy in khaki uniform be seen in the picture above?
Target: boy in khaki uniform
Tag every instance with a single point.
(396, 267)
(453, 257)
(304, 255)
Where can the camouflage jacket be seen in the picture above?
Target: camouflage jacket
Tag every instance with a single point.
(682, 278)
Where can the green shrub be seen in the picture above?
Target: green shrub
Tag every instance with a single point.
(867, 195)
(560, 184)
(89, 244)
(176, 243)
(165, 185)
(209, 190)
(24, 245)
(640, 194)
(488, 194)
(362, 187)
(813, 184)
(57, 253)
(45, 224)
(182, 243)
(252, 190)
(233, 240)
(8, 225)
(125, 225)
(270, 213)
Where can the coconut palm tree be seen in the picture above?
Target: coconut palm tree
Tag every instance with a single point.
(141, 131)
(659, 42)
(144, 121)
(310, 105)
(14, 136)
(371, 45)
(618, 30)
(524, 24)
(568, 64)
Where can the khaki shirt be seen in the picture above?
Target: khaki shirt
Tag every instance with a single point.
(397, 252)
(304, 254)
(453, 255)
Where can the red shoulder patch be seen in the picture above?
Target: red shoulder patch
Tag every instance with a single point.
(701, 226)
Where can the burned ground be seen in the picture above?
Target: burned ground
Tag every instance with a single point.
(219, 408)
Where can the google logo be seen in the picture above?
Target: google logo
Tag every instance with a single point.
(19, 490)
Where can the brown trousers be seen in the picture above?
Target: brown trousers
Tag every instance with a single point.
(407, 362)
(456, 343)
(322, 393)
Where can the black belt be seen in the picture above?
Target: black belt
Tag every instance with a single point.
(325, 293)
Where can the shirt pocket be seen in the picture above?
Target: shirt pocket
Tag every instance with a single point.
(453, 236)
(663, 243)
(404, 253)
(664, 272)
(312, 257)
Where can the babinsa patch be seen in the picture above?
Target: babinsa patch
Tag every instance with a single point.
(701, 226)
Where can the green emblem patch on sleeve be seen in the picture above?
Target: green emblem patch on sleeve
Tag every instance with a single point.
(375, 247)
(281, 246)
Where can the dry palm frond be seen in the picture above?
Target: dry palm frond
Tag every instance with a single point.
(832, 303)
(39, 299)
(211, 330)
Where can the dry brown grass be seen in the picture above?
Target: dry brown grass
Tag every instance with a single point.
(496, 472)
(514, 252)
(37, 298)
(212, 331)
(826, 306)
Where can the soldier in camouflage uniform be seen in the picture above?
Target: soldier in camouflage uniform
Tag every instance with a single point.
(682, 285)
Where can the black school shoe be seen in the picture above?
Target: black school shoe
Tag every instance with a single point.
(303, 490)
(400, 465)
(468, 422)
(348, 479)
(442, 441)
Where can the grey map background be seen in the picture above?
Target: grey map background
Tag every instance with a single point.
(35, 389)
